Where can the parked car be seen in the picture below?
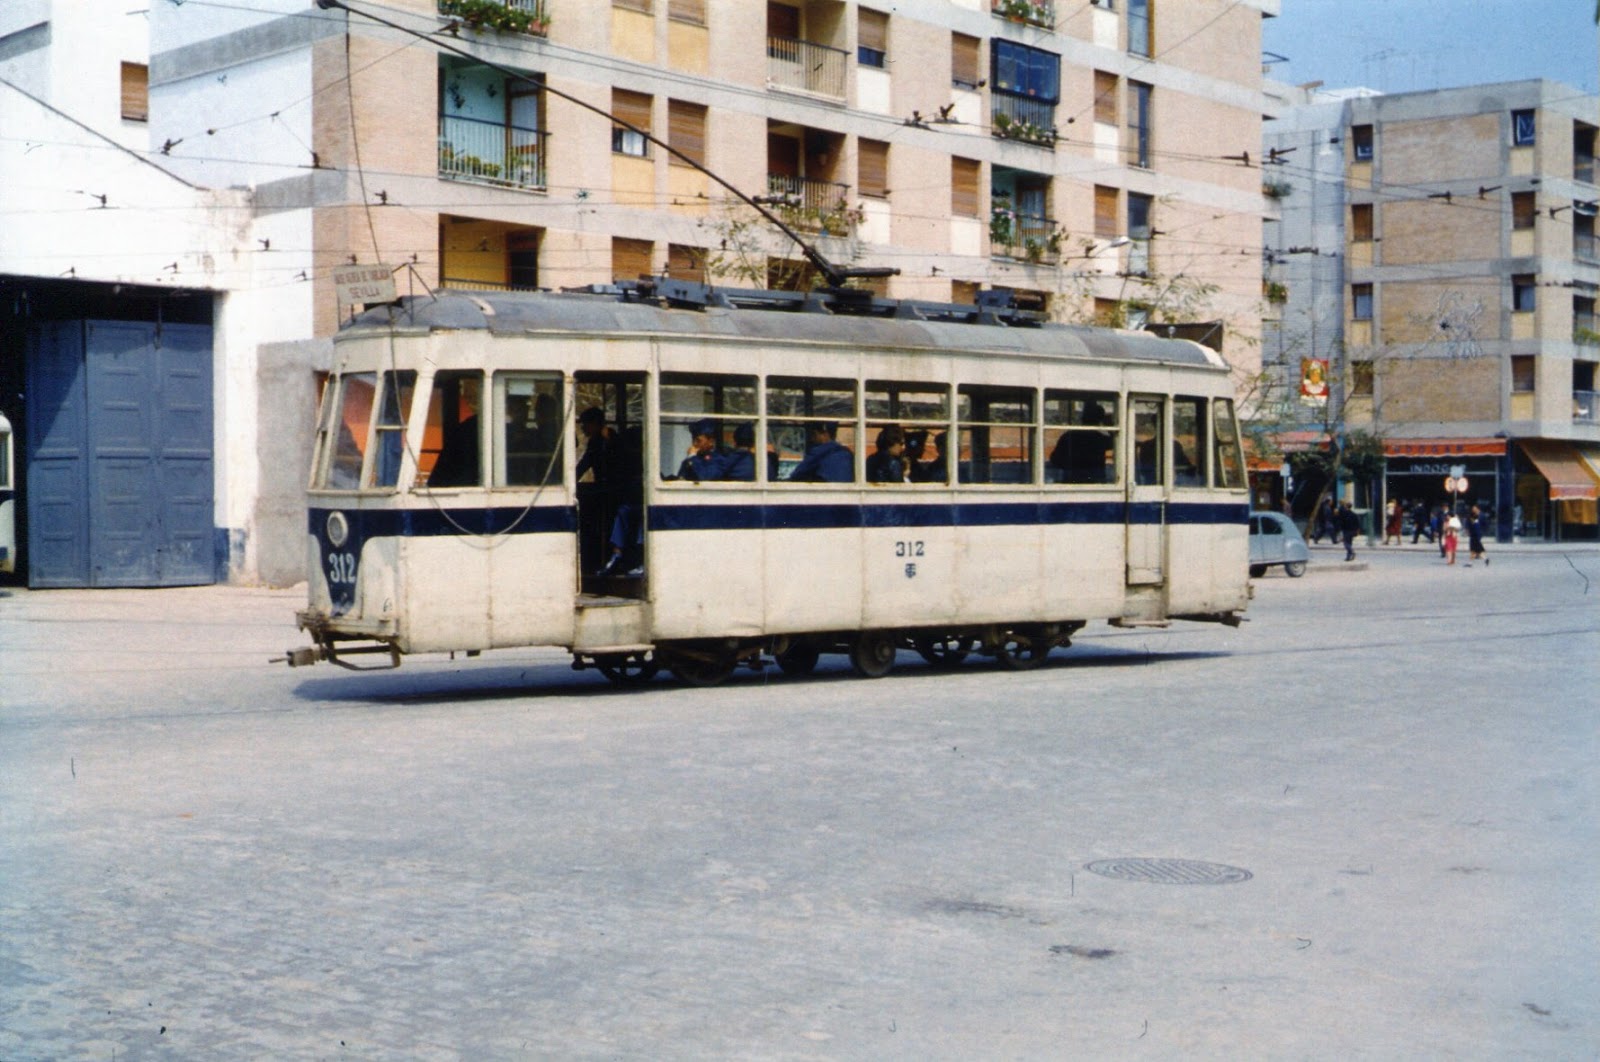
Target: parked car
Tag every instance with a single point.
(1275, 540)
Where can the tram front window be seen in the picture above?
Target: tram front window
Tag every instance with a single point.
(351, 419)
(392, 410)
(1229, 456)
(452, 443)
(1189, 442)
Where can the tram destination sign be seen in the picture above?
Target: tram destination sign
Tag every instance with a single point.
(360, 284)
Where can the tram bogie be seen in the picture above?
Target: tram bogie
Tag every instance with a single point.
(507, 470)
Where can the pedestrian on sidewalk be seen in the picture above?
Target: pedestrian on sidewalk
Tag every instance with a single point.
(1421, 523)
(1451, 537)
(1437, 522)
(1477, 524)
(1349, 524)
(1393, 522)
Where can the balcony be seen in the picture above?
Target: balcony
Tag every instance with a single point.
(502, 16)
(1033, 12)
(506, 156)
(813, 206)
(1023, 237)
(805, 66)
(1584, 407)
(1021, 118)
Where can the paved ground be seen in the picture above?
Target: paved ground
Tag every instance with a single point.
(206, 857)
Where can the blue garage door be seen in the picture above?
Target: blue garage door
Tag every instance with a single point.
(120, 455)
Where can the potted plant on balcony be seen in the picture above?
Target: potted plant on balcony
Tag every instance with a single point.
(498, 16)
(1002, 222)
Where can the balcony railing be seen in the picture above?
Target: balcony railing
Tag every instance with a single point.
(507, 16)
(1583, 169)
(816, 206)
(1023, 118)
(804, 66)
(1023, 236)
(1585, 406)
(1585, 247)
(510, 156)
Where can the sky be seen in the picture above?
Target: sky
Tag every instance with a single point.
(1412, 45)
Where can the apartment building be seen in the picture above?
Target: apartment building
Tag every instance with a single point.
(1095, 159)
(1453, 307)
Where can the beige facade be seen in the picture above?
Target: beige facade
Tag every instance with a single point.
(485, 187)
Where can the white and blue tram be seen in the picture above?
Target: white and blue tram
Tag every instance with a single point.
(466, 495)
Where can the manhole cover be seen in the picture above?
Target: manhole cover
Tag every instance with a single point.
(1168, 871)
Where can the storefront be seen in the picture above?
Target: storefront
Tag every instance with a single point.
(1431, 471)
(1558, 488)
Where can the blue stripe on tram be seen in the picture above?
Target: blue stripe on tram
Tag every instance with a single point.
(427, 523)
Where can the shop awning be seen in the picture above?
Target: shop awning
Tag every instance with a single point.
(1559, 462)
(1444, 447)
(1284, 443)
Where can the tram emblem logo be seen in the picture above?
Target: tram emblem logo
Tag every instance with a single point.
(911, 571)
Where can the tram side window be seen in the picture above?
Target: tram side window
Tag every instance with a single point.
(1148, 437)
(996, 434)
(393, 405)
(1189, 445)
(1080, 431)
(1229, 454)
(811, 429)
(351, 419)
(916, 416)
(528, 448)
(708, 428)
(452, 439)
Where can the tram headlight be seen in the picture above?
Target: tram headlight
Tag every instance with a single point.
(338, 529)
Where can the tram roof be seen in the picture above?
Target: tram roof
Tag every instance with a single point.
(914, 326)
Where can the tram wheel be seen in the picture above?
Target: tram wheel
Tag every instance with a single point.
(947, 650)
(1019, 652)
(872, 654)
(799, 659)
(628, 669)
(702, 669)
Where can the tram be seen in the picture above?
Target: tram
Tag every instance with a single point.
(512, 469)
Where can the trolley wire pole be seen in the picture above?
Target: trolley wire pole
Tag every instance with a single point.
(835, 274)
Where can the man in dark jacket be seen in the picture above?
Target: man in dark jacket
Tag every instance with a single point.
(1349, 523)
(825, 461)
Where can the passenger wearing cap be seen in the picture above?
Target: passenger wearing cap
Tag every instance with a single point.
(706, 460)
(825, 461)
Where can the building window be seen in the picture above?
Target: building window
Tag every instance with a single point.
(1361, 142)
(1139, 122)
(1105, 213)
(686, 263)
(872, 168)
(634, 109)
(630, 259)
(1522, 128)
(1524, 297)
(1361, 302)
(964, 187)
(872, 38)
(1361, 222)
(1583, 245)
(1140, 18)
(1361, 378)
(691, 11)
(1105, 97)
(1583, 323)
(965, 53)
(135, 92)
(1140, 232)
(686, 130)
(1522, 376)
(1524, 209)
(1019, 70)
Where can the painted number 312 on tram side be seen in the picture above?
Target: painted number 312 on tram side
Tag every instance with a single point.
(698, 479)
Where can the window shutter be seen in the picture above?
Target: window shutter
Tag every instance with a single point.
(1105, 212)
(1361, 222)
(872, 28)
(964, 53)
(687, 11)
(1105, 97)
(630, 259)
(964, 187)
(633, 5)
(686, 263)
(136, 92)
(873, 175)
(631, 107)
(686, 129)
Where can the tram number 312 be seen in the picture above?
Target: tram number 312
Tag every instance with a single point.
(908, 549)
(341, 568)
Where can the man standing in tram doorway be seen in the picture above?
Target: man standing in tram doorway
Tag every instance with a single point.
(1349, 523)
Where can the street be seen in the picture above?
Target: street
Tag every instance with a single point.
(1365, 824)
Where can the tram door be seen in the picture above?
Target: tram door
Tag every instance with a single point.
(610, 414)
(1147, 491)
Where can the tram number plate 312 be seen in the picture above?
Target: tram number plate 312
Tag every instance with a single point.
(908, 549)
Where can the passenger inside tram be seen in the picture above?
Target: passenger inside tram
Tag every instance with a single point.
(889, 464)
(826, 461)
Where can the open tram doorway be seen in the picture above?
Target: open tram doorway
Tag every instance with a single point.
(609, 420)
